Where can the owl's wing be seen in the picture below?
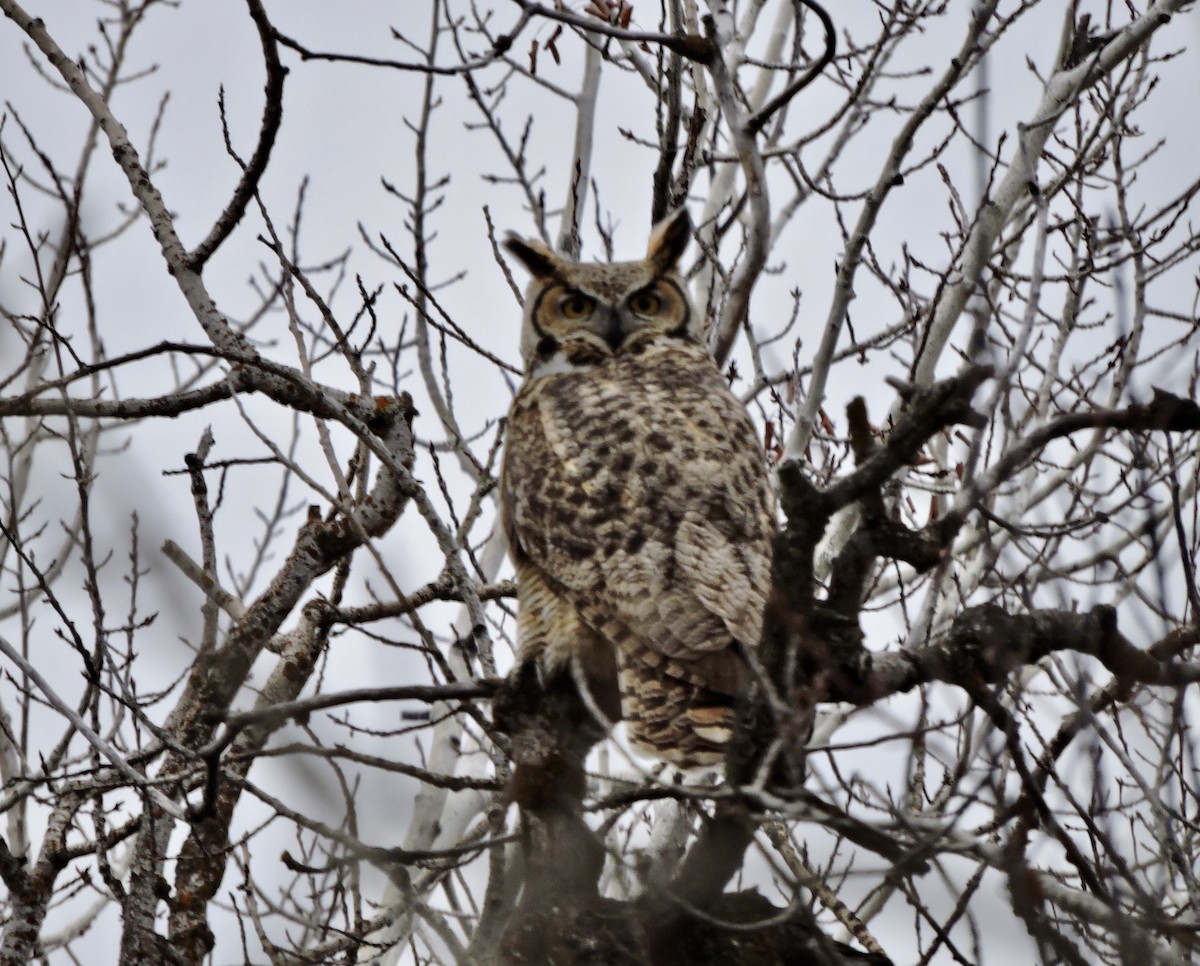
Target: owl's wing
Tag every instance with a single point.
(653, 516)
(690, 588)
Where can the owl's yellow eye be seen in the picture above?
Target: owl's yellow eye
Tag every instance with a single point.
(576, 306)
(645, 302)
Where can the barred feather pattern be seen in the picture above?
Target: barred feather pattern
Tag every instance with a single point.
(639, 512)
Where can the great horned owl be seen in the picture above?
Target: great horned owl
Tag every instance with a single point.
(635, 498)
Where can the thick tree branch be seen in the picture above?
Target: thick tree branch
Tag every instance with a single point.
(926, 411)
(758, 228)
(985, 644)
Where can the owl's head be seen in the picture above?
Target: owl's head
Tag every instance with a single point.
(587, 310)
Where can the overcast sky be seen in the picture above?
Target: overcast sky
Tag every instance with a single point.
(343, 134)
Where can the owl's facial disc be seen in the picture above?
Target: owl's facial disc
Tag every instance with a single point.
(608, 322)
(594, 318)
(576, 320)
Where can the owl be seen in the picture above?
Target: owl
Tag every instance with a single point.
(636, 500)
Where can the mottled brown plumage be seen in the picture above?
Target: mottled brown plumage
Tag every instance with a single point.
(636, 499)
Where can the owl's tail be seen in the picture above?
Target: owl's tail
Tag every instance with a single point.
(672, 716)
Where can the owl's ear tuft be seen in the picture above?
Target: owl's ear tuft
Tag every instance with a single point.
(540, 260)
(668, 239)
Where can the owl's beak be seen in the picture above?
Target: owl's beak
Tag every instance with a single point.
(611, 330)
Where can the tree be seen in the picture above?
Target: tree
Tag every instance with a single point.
(948, 257)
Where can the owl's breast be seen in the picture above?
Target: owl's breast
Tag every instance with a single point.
(605, 463)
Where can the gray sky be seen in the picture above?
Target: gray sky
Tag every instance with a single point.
(344, 133)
